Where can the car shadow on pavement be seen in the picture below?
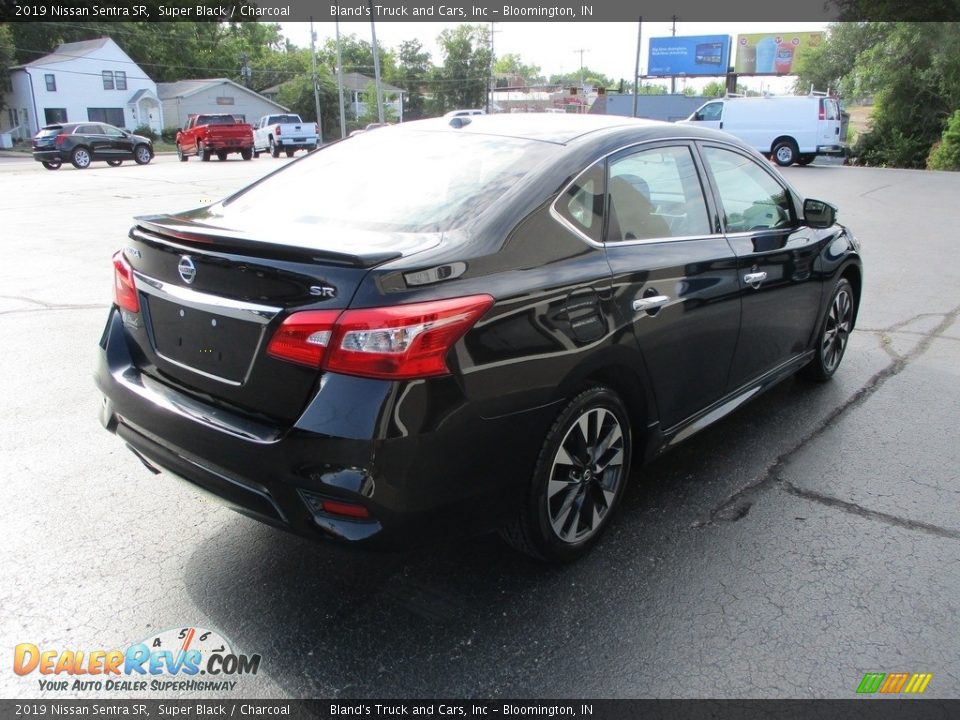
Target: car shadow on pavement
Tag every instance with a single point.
(459, 618)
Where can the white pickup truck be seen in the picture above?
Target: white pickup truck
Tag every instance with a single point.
(286, 133)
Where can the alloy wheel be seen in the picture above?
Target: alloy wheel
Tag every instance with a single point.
(586, 473)
(837, 330)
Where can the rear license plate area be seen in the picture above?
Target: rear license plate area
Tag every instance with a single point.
(207, 342)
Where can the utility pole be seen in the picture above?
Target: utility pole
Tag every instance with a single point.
(343, 118)
(316, 82)
(376, 63)
(581, 51)
(673, 80)
(493, 81)
(245, 71)
(636, 69)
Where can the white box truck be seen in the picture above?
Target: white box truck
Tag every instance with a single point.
(791, 129)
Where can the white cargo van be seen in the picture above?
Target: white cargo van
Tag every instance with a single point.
(791, 129)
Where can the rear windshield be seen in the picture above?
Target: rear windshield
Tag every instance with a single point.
(398, 181)
(216, 120)
(48, 131)
(285, 119)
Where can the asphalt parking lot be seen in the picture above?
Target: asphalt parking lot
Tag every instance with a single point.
(808, 539)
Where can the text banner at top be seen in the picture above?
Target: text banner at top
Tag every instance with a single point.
(468, 11)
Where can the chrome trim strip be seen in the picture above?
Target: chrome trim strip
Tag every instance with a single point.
(179, 364)
(186, 407)
(237, 309)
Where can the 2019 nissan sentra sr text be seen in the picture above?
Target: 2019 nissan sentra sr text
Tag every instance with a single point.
(462, 326)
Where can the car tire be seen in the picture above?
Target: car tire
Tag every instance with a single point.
(805, 160)
(784, 152)
(221, 156)
(290, 152)
(578, 481)
(274, 150)
(256, 153)
(203, 152)
(142, 154)
(114, 163)
(246, 154)
(80, 158)
(51, 164)
(180, 154)
(834, 334)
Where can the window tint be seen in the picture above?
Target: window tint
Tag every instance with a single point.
(107, 79)
(751, 198)
(88, 130)
(112, 131)
(655, 194)
(582, 203)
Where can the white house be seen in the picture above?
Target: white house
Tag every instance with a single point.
(90, 80)
(356, 88)
(182, 99)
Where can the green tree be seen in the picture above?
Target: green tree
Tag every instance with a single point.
(512, 65)
(591, 78)
(357, 56)
(297, 94)
(413, 75)
(463, 79)
(6, 60)
(714, 88)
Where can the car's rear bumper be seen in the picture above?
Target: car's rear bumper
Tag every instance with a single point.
(465, 476)
(50, 156)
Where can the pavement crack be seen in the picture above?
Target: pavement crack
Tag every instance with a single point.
(737, 505)
(43, 306)
(861, 511)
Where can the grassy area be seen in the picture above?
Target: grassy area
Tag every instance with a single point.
(159, 147)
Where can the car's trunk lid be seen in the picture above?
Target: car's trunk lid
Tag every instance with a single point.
(211, 297)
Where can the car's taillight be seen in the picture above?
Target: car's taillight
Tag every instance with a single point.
(124, 288)
(399, 342)
(276, 131)
(304, 337)
(316, 128)
(60, 139)
(823, 111)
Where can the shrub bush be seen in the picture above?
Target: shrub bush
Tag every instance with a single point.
(146, 131)
(169, 135)
(945, 154)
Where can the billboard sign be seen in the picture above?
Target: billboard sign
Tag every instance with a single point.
(774, 53)
(692, 55)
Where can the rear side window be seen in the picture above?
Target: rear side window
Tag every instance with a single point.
(751, 198)
(655, 193)
(88, 130)
(830, 109)
(582, 203)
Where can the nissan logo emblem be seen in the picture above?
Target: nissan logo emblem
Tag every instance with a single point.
(188, 271)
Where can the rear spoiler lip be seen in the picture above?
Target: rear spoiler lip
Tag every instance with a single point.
(188, 233)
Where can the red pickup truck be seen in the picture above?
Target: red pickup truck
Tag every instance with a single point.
(214, 134)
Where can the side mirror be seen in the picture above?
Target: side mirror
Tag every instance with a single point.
(819, 214)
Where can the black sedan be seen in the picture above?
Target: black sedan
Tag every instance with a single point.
(84, 143)
(484, 334)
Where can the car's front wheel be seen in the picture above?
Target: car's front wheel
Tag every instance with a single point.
(834, 333)
(579, 479)
(80, 158)
(142, 155)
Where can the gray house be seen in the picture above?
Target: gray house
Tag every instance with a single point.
(182, 99)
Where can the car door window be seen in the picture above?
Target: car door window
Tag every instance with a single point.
(88, 130)
(582, 203)
(113, 132)
(710, 111)
(655, 193)
(751, 198)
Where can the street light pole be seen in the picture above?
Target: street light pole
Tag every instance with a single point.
(376, 63)
(316, 89)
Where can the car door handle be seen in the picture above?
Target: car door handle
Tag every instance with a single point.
(650, 303)
(754, 278)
